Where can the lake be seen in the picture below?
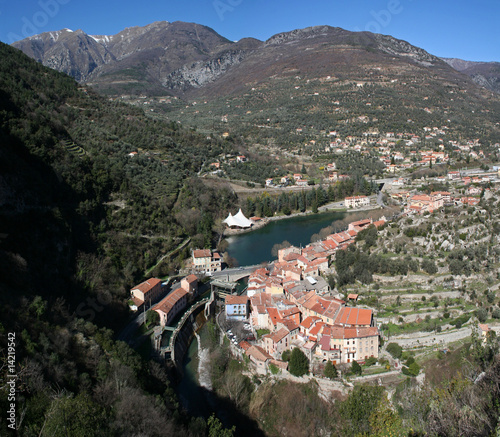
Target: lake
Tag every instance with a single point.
(255, 247)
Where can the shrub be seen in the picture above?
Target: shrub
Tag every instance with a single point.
(330, 370)
(356, 368)
(410, 361)
(273, 369)
(496, 313)
(371, 361)
(395, 350)
(482, 315)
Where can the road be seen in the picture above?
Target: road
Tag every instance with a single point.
(131, 327)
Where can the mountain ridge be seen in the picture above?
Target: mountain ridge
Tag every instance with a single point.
(178, 57)
(485, 74)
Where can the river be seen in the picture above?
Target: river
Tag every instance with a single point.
(255, 247)
(191, 393)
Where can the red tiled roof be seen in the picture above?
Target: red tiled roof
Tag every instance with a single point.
(258, 353)
(191, 278)
(354, 316)
(274, 315)
(316, 328)
(308, 321)
(147, 285)
(289, 324)
(277, 336)
(166, 304)
(289, 312)
(245, 345)
(202, 253)
(236, 300)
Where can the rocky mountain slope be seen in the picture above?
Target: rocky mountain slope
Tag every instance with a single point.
(485, 74)
(358, 81)
(186, 57)
(138, 59)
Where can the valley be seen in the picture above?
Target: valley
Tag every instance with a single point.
(126, 171)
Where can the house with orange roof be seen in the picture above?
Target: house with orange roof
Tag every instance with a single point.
(277, 342)
(190, 283)
(148, 291)
(290, 314)
(290, 326)
(359, 225)
(273, 317)
(171, 305)
(259, 357)
(203, 260)
(424, 203)
(349, 316)
(315, 331)
(360, 344)
(307, 324)
(483, 331)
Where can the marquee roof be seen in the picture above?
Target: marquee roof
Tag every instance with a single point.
(238, 220)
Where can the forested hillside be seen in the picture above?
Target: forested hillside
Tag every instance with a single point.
(80, 221)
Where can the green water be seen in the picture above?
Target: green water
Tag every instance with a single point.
(255, 247)
(190, 393)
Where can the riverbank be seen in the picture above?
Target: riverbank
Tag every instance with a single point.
(330, 207)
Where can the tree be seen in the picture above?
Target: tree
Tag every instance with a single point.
(482, 315)
(215, 428)
(395, 350)
(330, 370)
(299, 364)
(152, 318)
(356, 368)
(78, 416)
(358, 407)
(286, 355)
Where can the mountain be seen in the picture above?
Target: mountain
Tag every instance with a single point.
(185, 57)
(485, 74)
(138, 59)
(324, 77)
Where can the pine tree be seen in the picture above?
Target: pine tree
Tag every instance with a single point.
(330, 370)
(299, 364)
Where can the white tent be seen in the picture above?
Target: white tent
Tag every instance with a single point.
(238, 220)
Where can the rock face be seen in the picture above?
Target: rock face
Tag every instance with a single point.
(485, 74)
(138, 54)
(189, 59)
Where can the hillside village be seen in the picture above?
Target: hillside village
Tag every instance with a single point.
(296, 305)
(290, 304)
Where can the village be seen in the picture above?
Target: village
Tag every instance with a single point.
(289, 303)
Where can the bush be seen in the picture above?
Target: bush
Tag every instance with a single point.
(482, 315)
(496, 313)
(371, 361)
(356, 368)
(410, 361)
(286, 355)
(395, 350)
(330, 370)
(273, 369)
(412, 370)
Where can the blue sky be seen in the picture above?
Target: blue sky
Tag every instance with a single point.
(460, 28)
